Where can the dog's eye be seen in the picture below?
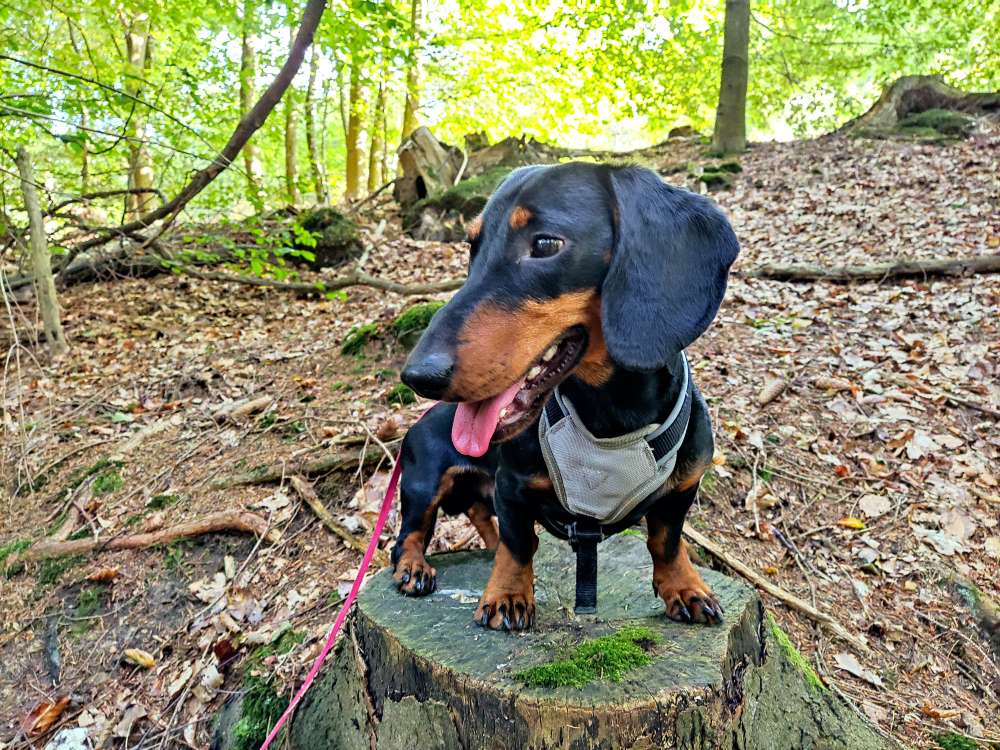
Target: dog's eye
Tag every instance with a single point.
(543, 247)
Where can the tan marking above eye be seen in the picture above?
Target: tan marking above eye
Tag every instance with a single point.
(520, 217)
(474, 227)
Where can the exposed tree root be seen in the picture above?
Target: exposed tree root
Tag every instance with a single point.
(785, 597)
(340, 461)
(900, 268)
(246, 523)
(309, 496)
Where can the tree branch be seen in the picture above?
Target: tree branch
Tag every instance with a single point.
(355, 278)
(898, 268)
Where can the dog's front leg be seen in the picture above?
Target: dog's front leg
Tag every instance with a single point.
(508, 602)
(675, 580)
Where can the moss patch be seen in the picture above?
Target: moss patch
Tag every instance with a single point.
(401, 394)
(467, 197)
(13, 548)
(357, 338)
(943, 121)
(260, 710)
(50, 571)
(413, 320)
(107, 482)
(716, 180)
(952, 741)
(159, 502)
(795, 658)
(609, 657)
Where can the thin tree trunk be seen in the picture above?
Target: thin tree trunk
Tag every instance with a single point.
(291, 134)
(316, 166)
(48, 302)
(730, 118)
(385, 142)
(248, 74)
(354, 115)
(375, 175)
(85, 153)
(140, 174)
(412, 73)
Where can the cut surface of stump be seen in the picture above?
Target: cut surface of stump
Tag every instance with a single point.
(418, 673)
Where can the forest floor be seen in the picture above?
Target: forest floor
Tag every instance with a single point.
(866, 486)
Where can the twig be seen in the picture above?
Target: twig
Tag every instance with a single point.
(786, 597)
(308, 494)
(355, 278)
(248, 523)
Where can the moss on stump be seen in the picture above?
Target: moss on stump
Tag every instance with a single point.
(337, 237)
(417, 673)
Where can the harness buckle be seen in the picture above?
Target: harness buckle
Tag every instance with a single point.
(583, 538)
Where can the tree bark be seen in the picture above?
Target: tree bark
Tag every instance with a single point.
(138, 45)
(740, 684)
(899, 268)
(730, 134)
(248, 74)
(354, 118)
(316, 165)
(48, 302)
(291, 134)
(375, 174)
(412, 73)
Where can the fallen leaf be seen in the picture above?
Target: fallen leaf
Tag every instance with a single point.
(772, 388)
(939, 713)
(139, 657)
(874, 506)
(132, 714)
(41, 718)
(850, 664)
(832, 384)
(104, 574)
(958, 525)
(850, 522)
(992, 547)
(946, 545)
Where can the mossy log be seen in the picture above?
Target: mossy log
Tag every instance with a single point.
(418, 674)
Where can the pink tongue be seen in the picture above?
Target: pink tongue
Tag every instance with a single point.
(476, 421)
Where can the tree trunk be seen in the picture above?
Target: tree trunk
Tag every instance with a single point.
(412, 73)
(41, 266)
(354, 117)
(409, 665)
(291, 133)
(85, 153)
(375, 174)
(248, 75)
(730, 118)
(316, 166)
(138, 45)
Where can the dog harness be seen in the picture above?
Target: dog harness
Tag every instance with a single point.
(601, 481)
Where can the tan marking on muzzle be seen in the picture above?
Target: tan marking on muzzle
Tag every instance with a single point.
(497, 345)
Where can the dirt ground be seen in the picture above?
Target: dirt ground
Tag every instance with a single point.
(867, 485)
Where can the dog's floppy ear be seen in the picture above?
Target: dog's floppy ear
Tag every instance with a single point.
(668, 269)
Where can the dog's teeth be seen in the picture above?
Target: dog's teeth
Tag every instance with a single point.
(534, 372)
(550, 353)
(503, 413)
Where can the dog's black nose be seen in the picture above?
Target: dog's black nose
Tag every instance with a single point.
(430, 376)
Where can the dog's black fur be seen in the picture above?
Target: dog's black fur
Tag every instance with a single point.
(630, 269)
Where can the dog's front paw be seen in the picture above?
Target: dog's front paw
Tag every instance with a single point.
(414, 576)
(508, 603)
(690, 602)
(506, 610)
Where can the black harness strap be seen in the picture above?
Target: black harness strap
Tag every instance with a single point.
(583, 537)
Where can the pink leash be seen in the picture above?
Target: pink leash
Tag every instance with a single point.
(390, 493)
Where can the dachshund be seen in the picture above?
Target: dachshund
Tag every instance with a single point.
(586, 280)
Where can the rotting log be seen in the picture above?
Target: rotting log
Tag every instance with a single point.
(417, 673)
(899, 268)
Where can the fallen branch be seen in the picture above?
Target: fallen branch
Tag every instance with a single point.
(356, 278)
(228, 520)
(340, 461)
(899, 268)
(309, 496)
(785, 597)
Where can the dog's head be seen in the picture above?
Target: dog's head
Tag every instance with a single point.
(575, 269)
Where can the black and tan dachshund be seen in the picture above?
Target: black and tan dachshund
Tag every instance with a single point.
(590, 277)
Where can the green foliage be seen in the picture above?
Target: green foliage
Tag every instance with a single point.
(159, 502)
(953, 741)
(108, 482)
(415, 317)
(795, 658)
(357, 338)
(401, 394)
(13, 548)
(609, 657)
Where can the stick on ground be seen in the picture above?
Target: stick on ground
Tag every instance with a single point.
(308, 494)
(785, 597)
(230, 520)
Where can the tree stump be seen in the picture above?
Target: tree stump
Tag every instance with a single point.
(417, 674)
